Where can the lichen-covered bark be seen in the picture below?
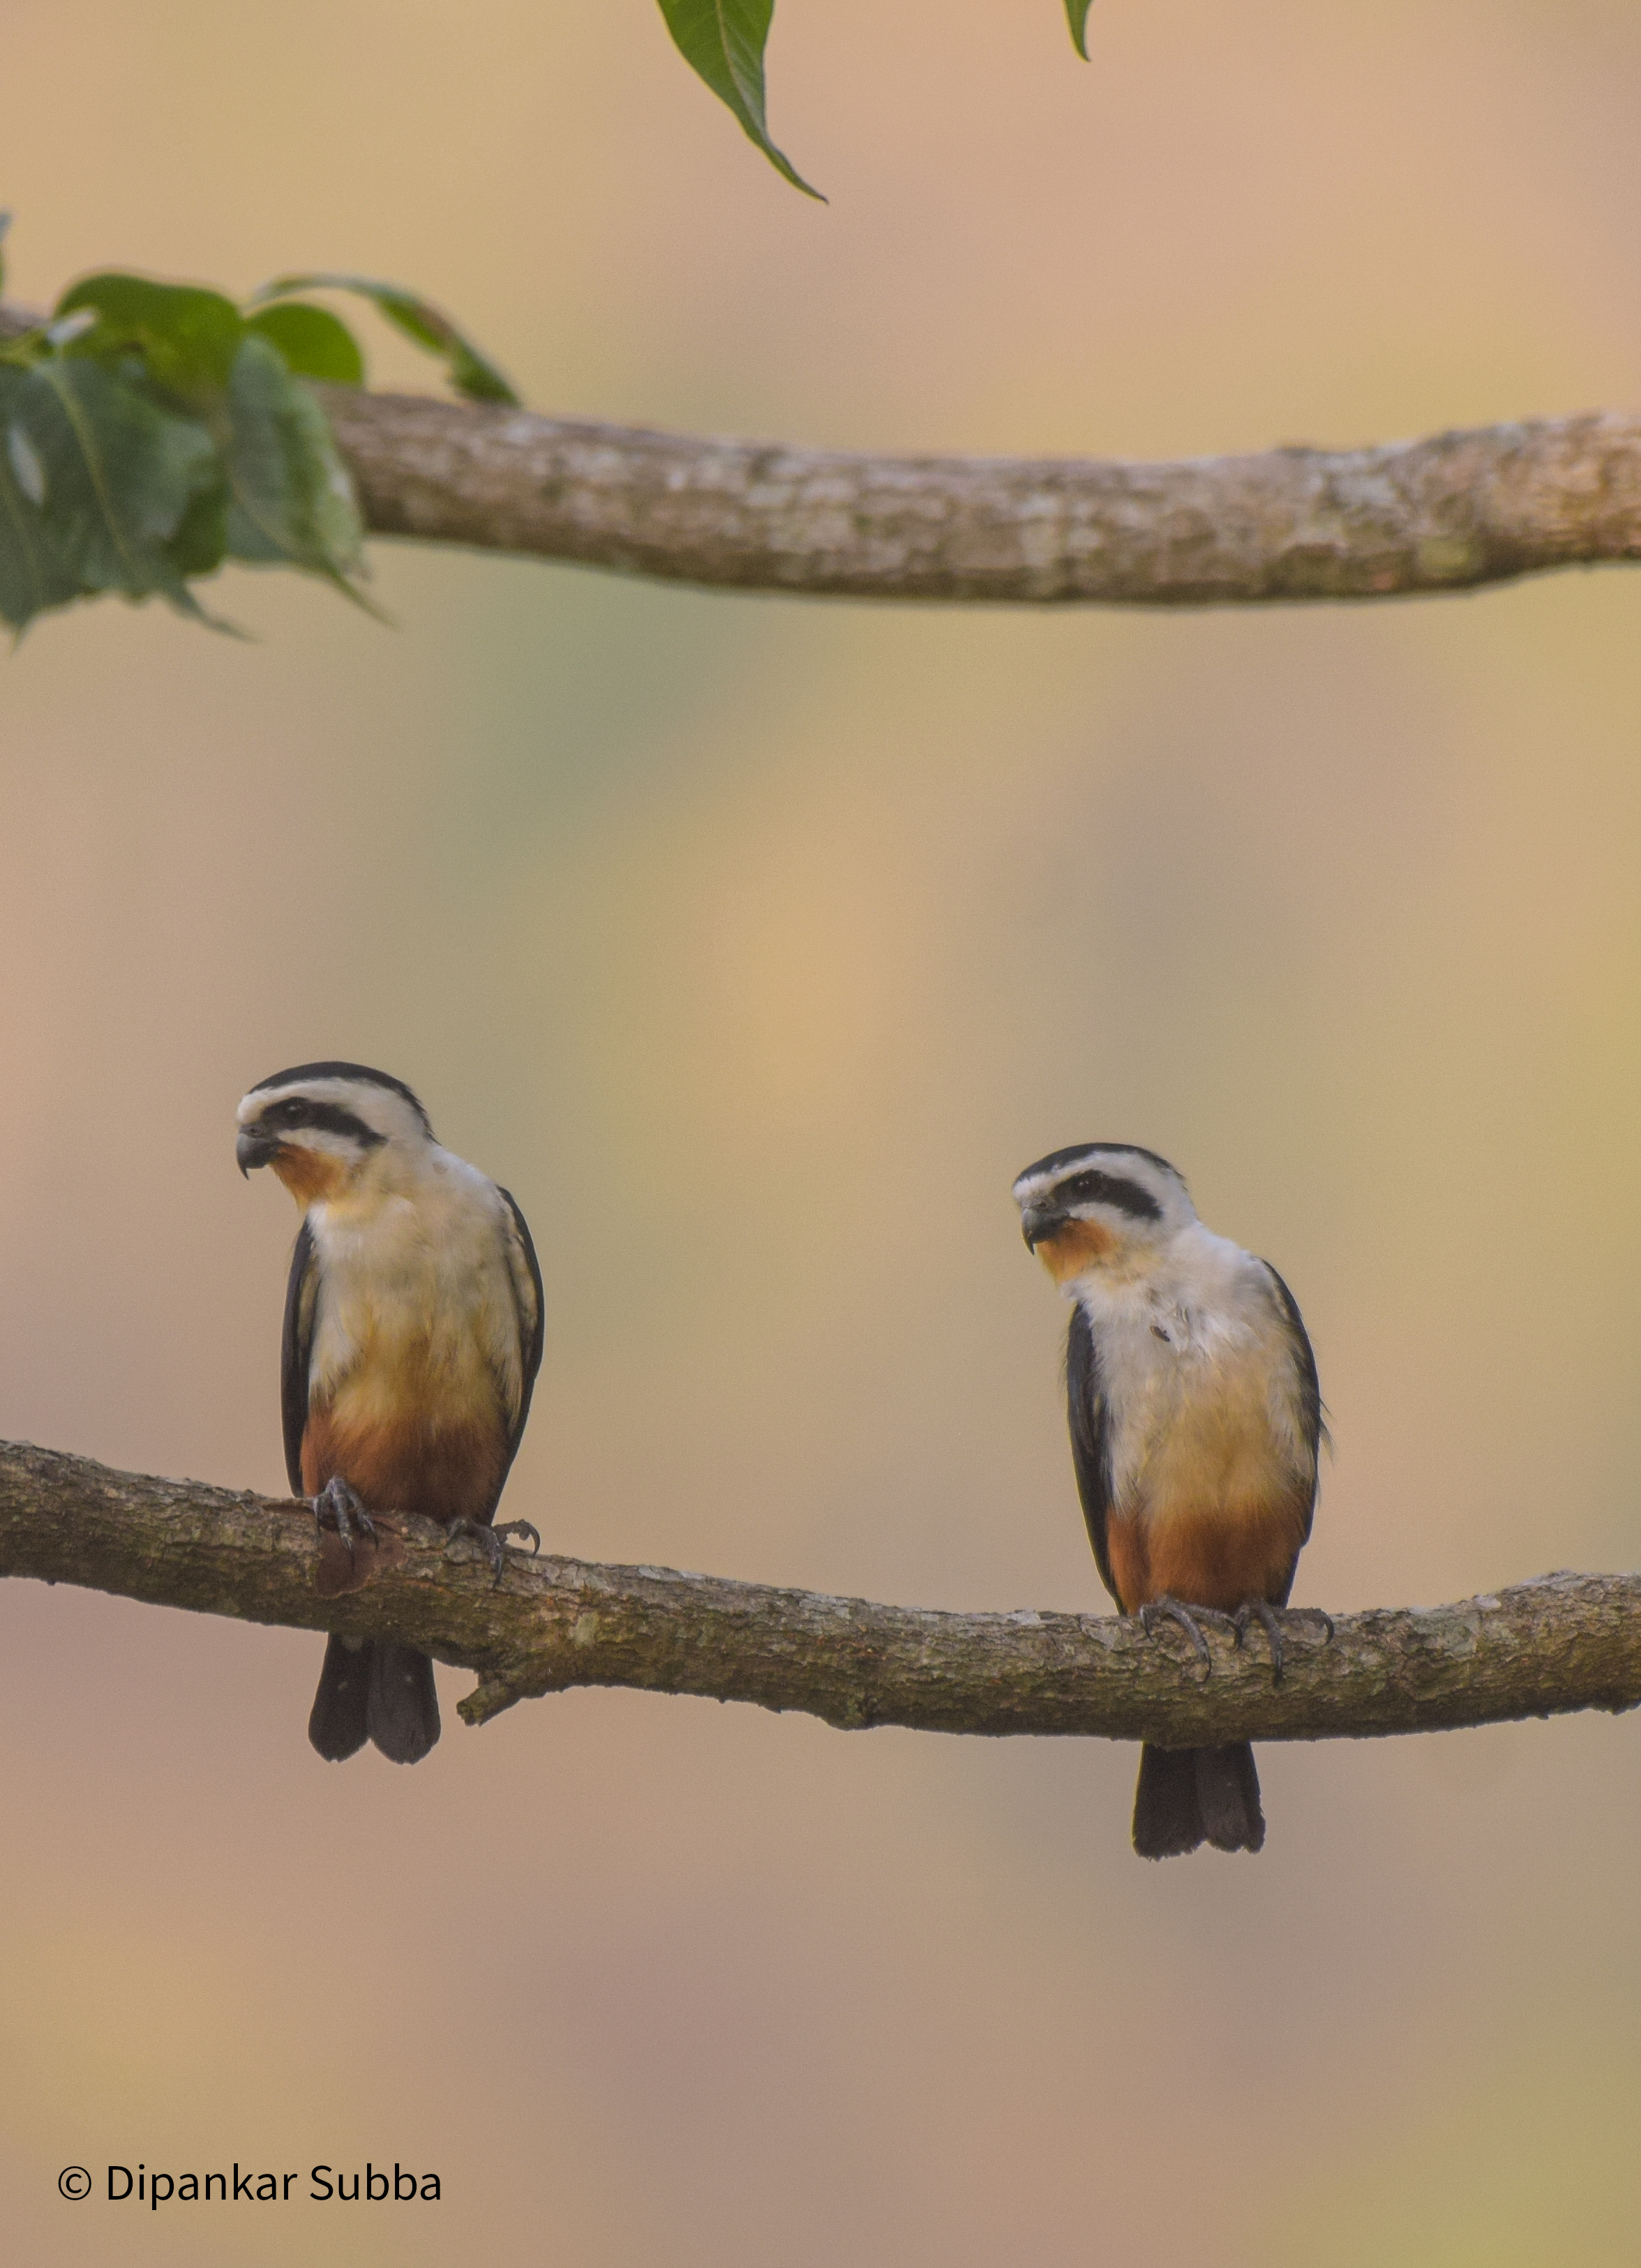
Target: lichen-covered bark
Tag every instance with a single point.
(1442, 514)
(1564, 1642)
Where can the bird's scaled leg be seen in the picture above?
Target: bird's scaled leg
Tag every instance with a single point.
(1190, 1619)
(1264, 1614)
(489, 1539)
(483, 1536)
(1270, 1620)
(345, 1511)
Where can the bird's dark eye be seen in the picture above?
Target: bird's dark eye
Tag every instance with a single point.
(291, 1113)
(1083, 1189)
(1096, 1188)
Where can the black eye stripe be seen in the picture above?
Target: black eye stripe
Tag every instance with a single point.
(1093, 1187)
(1057, 1160)
(297, 1110)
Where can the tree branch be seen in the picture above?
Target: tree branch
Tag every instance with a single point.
(1563, 1643)
(1444, 514)
(1447, 513)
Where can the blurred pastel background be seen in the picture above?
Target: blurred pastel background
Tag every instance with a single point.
(756, 944)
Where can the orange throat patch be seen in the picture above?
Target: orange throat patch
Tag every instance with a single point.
(1075, 1248)
(310, 1175)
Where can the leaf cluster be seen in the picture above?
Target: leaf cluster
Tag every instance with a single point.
(149, 430)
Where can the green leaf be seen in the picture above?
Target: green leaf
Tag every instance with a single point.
(723, 42)
(469, 371)
(314, 343)
(1076, 17)
(187, 337)
(25, 348)
(32, 575)
(292, 503)
(101, 488)
(149, 430)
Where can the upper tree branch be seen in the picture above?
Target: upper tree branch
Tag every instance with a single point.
(1443, 514)
(1565, 1642)
(1446, 513)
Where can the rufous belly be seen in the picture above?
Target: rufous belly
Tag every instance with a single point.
(411, 1463)
(1220, 1558)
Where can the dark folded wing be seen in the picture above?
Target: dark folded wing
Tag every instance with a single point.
(1091, 1451)
(525, 1272)
(1308, 1386)
(296, 1352)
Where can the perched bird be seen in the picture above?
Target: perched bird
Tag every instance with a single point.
(1195, 1423)
(412, 1339)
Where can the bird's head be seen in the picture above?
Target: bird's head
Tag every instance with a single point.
(324, 1125)
(1102, 1205)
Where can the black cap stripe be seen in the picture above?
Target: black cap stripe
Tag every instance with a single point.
(303, 1073)
(1057, 1159)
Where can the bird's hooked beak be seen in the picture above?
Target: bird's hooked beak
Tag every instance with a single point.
(255, 1147)
(1038, 1223)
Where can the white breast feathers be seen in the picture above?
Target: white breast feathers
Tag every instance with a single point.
(417, 1294)
(1201, 1378)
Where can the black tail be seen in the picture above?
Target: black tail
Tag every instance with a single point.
(372, 1690)
(1188, 1796)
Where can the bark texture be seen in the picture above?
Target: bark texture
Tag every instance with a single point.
(1449, 513)
(1444, 514)
(1564, 1642)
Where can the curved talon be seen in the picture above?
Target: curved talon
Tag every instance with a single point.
(486, 1537)
(1271, 1620)
(1168, 1608)
(346, 1509)
(521, 1527)
(1264, 1614)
